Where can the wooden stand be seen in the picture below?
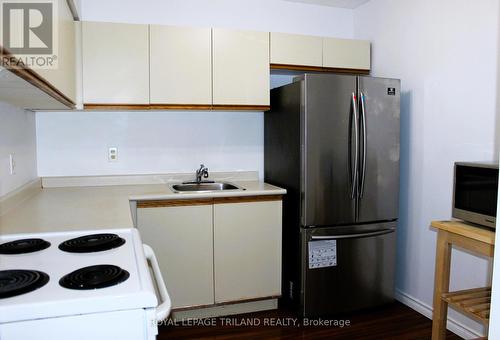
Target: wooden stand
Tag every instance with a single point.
(472, 302)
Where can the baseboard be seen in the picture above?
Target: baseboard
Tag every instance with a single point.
(453, 325)
(14, 198)
(225, 310)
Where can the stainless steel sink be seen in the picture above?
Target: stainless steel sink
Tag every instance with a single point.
(204, 187)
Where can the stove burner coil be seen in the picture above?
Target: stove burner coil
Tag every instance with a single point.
(92, 243)
(24, 246)
(17, 282)
(94, 277)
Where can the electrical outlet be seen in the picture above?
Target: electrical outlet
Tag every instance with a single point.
(12, 164)
(112, 154)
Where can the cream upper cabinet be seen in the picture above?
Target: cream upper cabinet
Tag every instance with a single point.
(115, 61)
(240, 67)
(63, 77)
(346, 53)
(294, 49)
(247, 250)
(181, 238)
(181, 65)
(59, 82)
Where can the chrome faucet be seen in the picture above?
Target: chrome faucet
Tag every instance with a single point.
(202, 172)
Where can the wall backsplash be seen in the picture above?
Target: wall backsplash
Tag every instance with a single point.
(76, 143)
(18, 137)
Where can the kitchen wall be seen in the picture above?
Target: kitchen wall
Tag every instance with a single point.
(494, 331)
(263, 15)
(75, 143)
(18, 137)
(445, 53)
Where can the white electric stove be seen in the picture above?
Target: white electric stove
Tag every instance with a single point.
(98, 285)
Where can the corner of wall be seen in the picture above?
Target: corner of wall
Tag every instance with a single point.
(17, 137)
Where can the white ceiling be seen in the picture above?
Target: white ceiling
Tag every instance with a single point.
(334, 3)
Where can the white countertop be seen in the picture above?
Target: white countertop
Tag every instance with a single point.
(98, 207)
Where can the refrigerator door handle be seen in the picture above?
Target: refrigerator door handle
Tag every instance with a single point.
(359, 235)
(353, 169)
(363, 164)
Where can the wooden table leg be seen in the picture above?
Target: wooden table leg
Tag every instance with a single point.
(441, 285)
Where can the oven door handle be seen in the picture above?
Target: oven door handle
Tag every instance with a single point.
(163, 309)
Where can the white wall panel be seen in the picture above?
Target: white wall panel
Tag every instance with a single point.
(259, 15)
(76, 143)
(17, 136)
(445, 53)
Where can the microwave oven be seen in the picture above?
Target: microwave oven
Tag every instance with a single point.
(475, 193)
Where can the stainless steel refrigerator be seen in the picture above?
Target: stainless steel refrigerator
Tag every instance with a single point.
(333, 142)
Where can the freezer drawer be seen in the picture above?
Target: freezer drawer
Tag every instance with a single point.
(347, 268)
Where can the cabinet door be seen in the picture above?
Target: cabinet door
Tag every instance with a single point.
(294, 49)
(182, 238)
(346, 53)
(181, 65)
(247, 250)
(63, 77)
(115, 61)
(240, 67)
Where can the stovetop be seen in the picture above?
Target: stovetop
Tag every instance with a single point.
(78, 283)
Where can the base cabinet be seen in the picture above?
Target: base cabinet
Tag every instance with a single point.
(182, 240)
(215, 251)
(247, 250)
